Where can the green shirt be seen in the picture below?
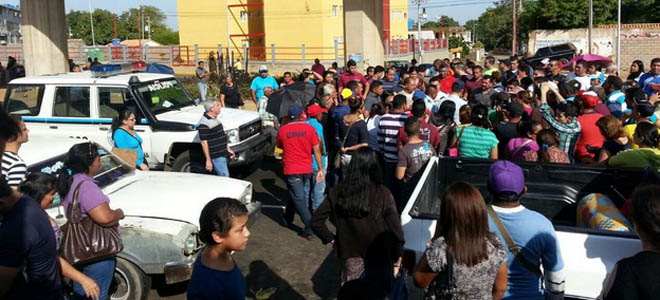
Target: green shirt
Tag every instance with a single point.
(476, 142)
(636, 158)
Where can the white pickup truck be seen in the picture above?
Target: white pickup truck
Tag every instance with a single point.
(160, 230)
(589, 254)
(82, 105)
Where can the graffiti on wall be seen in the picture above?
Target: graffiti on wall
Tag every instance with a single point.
(642, 36)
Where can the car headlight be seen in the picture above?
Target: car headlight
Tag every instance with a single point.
(232, 136)
(190, 246)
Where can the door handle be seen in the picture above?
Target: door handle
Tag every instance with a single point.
(103, 128)
(52, 127)
(139, 130)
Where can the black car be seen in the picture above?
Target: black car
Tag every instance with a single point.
(555, 52)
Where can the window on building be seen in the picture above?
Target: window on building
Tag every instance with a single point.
(71, 102)
(244, 16)
(335, 10)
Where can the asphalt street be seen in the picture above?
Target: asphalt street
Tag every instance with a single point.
(276, 256)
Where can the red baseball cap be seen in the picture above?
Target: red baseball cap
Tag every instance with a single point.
(315, 110)
(589, 99)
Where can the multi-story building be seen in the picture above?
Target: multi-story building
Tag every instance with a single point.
(10, 24)
(282, 24)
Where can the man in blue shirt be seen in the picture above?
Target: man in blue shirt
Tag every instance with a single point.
(651, 79)
(532, 234)
(315, 116)
(260, 82)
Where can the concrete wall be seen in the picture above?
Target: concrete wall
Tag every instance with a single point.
(44, 37)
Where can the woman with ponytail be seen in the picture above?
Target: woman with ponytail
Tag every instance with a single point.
(125, 137)
(647, 137)
(82, 163)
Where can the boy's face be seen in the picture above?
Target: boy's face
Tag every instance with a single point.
(237, 237)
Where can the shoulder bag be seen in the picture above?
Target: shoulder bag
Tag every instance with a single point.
(336, 162)
(453, 151)
(515, 250)
(84, 241)
(442, 286)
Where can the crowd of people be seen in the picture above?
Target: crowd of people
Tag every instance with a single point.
(353, 155)
(373, 134)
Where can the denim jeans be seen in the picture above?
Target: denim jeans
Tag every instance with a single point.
(298, 186)
(220, 166)
(202, 87)
(318, 189)
(102, 272)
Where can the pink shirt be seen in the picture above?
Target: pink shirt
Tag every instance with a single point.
(525, 145)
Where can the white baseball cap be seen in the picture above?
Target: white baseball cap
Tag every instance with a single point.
(263, 68)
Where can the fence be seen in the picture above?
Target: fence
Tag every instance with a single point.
(189, 55)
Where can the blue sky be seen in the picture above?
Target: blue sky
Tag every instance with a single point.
(460, 10)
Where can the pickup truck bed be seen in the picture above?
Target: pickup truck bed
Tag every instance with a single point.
(553, 189)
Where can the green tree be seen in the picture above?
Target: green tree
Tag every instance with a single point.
(80, 27)
(446, 22)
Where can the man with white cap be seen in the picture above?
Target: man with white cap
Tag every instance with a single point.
(528, 237)
(260, 82)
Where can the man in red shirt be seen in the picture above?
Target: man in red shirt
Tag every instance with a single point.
(298, 140)
(352, 74)
(590, 139)
(427, 132)
(446, 81)
(474, 82)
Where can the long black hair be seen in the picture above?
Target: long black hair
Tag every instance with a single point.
(648, 134)
(640, 67)
(479, 116)
(444, 114)
(78, 160)
(37, 185)
(119, 118)
(362, 179)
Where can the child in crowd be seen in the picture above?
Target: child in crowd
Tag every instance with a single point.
(223, 228)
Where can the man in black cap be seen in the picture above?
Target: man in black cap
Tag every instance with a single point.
(298, 140)
(508, 128)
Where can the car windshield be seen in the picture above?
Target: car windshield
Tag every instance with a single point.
(112, 169)
(164, 95)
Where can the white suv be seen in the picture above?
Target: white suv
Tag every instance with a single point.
(82, 105)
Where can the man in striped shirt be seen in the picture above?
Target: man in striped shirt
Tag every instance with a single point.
(388, 133)
(13, 167)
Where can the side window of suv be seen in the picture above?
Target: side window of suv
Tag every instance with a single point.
(71, 102)
(112, 100)
(25, 100)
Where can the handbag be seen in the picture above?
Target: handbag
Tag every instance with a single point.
(336, 162)
(84, 241)
(453, 151)
(127, 155)
(442, 286)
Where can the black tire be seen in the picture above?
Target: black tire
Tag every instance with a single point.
(129, 282)
(188, 162)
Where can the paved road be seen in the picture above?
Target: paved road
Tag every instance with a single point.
(276, 256)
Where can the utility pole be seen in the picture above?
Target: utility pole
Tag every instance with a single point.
(419, 27)
(514, 45)
(591, 21)
(114, 23)
(618, 38)
(149, 26)
(91, 21)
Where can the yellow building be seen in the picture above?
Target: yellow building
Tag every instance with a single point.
(279, 25)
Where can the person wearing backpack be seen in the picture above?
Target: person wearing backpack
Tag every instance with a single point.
(528, 236)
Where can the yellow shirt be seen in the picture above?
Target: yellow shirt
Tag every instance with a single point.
(630, 131)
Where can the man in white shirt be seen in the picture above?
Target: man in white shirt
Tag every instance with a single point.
(456, 96)
(580, 74)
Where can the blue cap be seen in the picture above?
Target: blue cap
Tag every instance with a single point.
(419, 95)
(295, 111)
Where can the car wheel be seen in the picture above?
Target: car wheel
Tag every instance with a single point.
(188, 163)
(129, 282)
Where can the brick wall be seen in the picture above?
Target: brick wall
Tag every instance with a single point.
(642, 49)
